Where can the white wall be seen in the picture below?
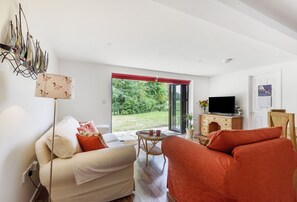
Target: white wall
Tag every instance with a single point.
(23, 118)
(93, 90)
(237, 83)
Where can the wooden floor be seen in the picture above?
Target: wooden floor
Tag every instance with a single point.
(150, 181)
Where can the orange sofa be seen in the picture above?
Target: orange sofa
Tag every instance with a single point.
(256, 171)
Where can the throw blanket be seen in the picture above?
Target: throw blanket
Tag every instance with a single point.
(91, 165)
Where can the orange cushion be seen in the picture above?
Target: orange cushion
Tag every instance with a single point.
(226, 140)
(212, 134)
(90, 143)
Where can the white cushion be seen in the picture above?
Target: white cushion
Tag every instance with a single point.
(102, 128)
(109, 137)
(115, 144)
(65, 141)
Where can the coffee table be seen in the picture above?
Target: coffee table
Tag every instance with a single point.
(148, 143)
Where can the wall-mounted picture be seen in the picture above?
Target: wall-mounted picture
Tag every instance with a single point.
(264, 96)
(265, 90)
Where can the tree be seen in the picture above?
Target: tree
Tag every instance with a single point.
(131, 97)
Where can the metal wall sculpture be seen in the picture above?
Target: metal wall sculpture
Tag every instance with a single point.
(26, 57)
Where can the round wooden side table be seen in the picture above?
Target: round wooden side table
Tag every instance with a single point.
(148, 143)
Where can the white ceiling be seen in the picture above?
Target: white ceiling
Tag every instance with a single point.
(181, 36)
(282, 11)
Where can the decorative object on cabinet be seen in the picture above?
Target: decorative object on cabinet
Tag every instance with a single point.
(24, 55)
(238, 110)
(203, 105)
(211, 122)
(56, 87)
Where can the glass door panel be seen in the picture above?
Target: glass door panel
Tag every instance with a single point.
(178, 102)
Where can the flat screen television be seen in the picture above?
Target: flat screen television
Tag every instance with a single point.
(224, 105)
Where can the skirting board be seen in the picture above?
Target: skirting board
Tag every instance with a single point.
(35, 192)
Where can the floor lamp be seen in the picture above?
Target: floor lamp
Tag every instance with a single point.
(56, 87)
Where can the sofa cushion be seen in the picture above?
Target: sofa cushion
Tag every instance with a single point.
(115, 144)
(109, 137)
(226, 140)
(90, 143)
(212, 134)
(99, 135)
(87, 127)
(65, 141)
(102, 128)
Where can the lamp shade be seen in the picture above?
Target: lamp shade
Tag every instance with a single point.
(54, 86)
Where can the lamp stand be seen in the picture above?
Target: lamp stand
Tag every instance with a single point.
(57, 87)
(52, 150)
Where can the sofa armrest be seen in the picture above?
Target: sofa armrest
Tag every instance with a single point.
(199, 163)
(273, 161)
(101, 162)
(62, 172)
(102, 128)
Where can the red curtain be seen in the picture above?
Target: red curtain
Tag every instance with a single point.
(149, 78)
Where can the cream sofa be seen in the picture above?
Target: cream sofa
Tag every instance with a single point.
(99, 175)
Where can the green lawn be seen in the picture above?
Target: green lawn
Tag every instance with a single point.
(139, 121)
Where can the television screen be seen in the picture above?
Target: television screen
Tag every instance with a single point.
(224, 104)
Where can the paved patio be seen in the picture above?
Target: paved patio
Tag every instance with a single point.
(131, 134)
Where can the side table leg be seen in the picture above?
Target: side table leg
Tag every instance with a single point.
(138, 146)
(146, 151)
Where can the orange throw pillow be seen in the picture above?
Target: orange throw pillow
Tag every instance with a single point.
(212, 134)
(90, 143)
(226, 140)
(94, 134)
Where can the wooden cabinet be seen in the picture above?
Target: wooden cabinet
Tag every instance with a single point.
(211, 122)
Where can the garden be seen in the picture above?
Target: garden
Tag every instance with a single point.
(138, 105)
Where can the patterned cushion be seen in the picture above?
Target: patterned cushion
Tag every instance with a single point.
(88, 127)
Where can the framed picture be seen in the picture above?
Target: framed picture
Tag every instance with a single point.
(265, 96)
(264, 90)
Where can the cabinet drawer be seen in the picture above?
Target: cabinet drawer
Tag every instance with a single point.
(203, 133)
(204, 129)
(226, 124)
(212, 119)
(204, 122)
(224, 127)
(227, 120)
